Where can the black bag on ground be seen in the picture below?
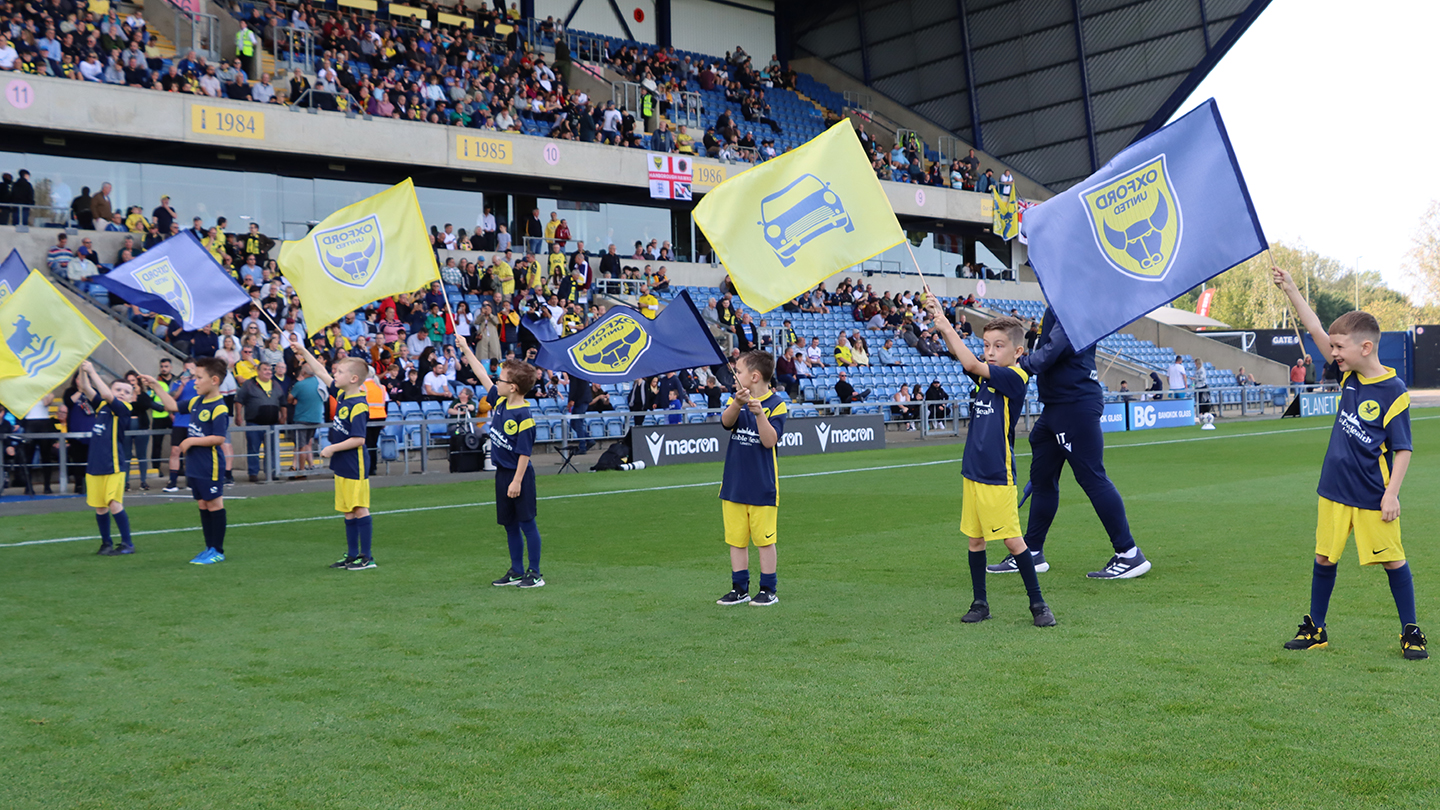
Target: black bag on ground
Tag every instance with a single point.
(467, 452)
(614, 456)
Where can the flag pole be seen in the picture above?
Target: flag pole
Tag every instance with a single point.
(127, 360)
(1294, 322)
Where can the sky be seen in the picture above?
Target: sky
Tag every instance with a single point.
(1331, 108)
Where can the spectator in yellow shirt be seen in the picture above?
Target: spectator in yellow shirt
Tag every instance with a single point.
(550, 228)
(505, 274)
(135, 221)
(649, 304)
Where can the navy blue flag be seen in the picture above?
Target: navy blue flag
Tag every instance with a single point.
(13, 273)
(623, 345)
(1163, 216)
(177, 278)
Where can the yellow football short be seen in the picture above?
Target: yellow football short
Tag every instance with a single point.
(100, 490)
(746, 522)
(351, 494)
(989, 511)
(1375, 540)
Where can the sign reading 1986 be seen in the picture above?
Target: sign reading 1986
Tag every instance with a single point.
(484, 150)
(227, 122)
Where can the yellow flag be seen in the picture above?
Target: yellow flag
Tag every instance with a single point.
(359, 254)
(1003, 222)
(46, 337)
(790, 223)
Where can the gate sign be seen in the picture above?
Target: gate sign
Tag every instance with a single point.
(670, 176)
(1162, 414)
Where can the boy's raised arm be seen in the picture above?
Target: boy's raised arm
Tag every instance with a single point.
(474, 362)
(972, 364)
(160, 392)
(310, 360)
(1307, 315)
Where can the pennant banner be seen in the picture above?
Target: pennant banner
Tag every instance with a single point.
(624, 345)
(179, 279)
(791, 222)
(1163, 216)
(46, 337)
(359, 254)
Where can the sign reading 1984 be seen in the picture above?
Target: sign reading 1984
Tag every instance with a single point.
(227, 122)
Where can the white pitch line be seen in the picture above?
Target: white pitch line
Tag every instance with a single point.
(632, 491)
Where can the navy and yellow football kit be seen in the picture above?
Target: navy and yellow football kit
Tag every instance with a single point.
(352, 479)
(750, 486)
(1372, 422)
(512, 435)
(205, 466)
(989, 508)
(107, 460)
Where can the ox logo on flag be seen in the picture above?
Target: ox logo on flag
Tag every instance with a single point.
(159, 277)
(1136, 218)
(352, 253)
(615, 344)
(34, 352)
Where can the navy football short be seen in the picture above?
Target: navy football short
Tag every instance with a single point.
(514, 510)
(204, 489)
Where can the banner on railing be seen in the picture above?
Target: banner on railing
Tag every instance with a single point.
(693, 443)
(1112, 419)
(1320, 404)
(670, 176)
(1162, 414)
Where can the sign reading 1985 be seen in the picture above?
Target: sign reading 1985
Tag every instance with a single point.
(484, 150)
(226, 122)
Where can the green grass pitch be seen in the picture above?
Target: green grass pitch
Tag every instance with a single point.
(271, 682)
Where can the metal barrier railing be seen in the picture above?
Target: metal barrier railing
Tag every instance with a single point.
(25, 217)
(341, 101)
(294, 48)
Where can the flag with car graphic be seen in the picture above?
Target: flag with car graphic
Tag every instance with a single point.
(359, 254)
(1166, 214)
(793, 221)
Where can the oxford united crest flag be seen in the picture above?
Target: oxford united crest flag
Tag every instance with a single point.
(179, 279)
(1164, 215)
(45, 338)
(361, 253)
(624, 345)
(791, 222)
(1005, 222)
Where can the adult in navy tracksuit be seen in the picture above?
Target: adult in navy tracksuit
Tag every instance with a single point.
(1069, 430)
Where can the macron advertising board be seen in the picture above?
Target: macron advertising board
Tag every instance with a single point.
(659, 445)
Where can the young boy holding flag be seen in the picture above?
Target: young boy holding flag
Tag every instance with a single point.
(1364, 466)
(988, 467)
(106, 463)
(749, 488)
(347, 455)
(512, 441)
(204, 461)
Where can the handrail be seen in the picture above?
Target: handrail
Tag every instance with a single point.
(110, 313)
(286, 39)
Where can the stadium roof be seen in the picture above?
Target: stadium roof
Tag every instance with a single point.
(1053, 87)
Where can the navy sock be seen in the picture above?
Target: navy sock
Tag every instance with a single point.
(517, 547)
(218, 516)
(1321, 584)
(1026, 564)
(207, 528)
(740, 580)
(102, 519)
(532, 543)
(1402, 587)
(122, 521)
(767, 581)
(977, 574)
(174, 477)
(362, 526)
(352, 538)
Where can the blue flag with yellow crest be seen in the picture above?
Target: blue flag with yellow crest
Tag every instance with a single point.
(179, 279)
(1167, 213)
(12, 274)
(623, 345)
